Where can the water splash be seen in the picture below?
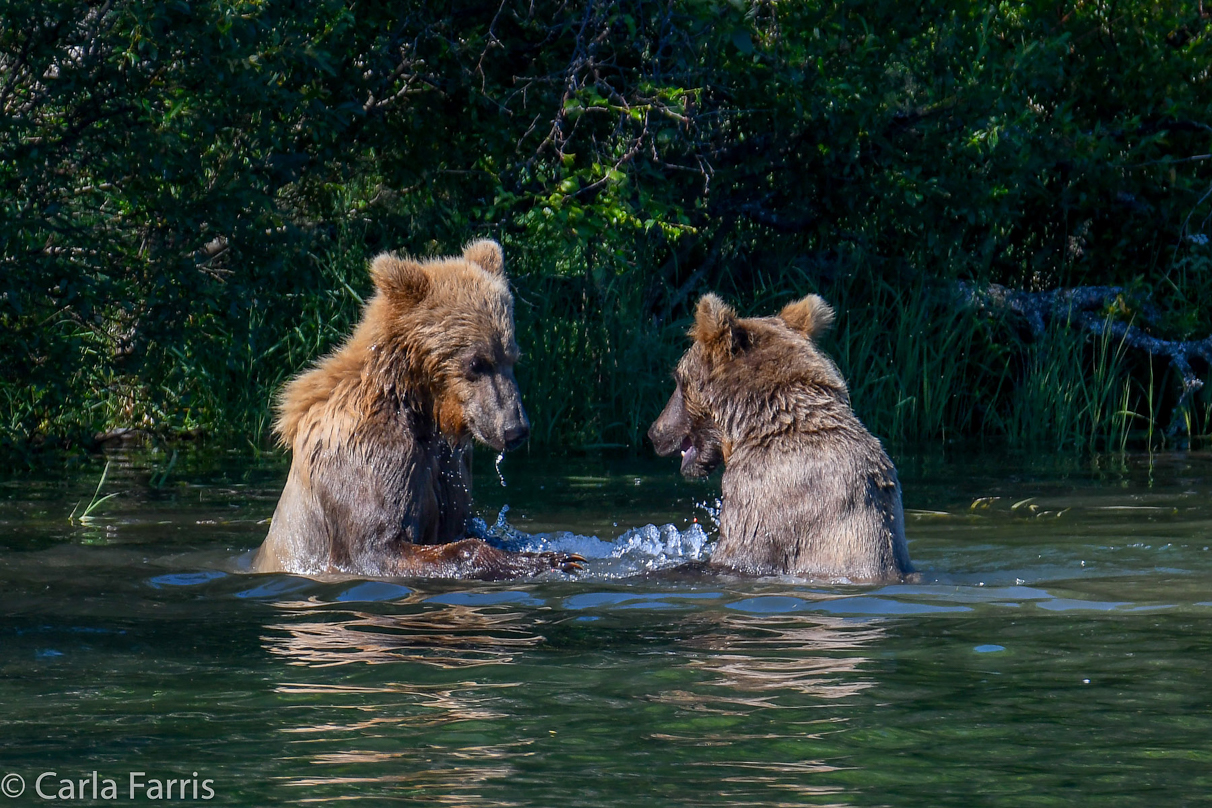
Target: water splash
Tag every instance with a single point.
(638, 550)
(500, 476)
(502, 529)
(712, 511)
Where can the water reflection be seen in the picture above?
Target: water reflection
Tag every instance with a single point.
(1059, 636)
(415, 775)
(376, 711)
(812, 654)
(356, 735)
(785, 777)
(453, 635)
(384, 721)
(773, 688)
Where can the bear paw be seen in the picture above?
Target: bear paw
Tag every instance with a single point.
(472, 558)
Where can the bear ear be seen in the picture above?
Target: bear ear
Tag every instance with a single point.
(716, 327)
(809, 316)
(487, 253)
(400, 279)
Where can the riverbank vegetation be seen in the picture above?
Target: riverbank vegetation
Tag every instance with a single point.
(192, 191)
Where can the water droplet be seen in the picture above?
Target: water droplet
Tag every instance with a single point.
(500, 476)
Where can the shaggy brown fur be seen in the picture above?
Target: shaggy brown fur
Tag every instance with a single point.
(807, 490)
(381, 430)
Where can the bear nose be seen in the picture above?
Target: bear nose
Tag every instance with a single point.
(516, 434)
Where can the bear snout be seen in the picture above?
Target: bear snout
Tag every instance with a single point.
(663, 442)
(515, 434)
(671, 426)
(494, 412)
(502, 432)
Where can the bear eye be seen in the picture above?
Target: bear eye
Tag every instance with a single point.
(478, 366)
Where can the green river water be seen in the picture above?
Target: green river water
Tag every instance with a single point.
(1055, 652)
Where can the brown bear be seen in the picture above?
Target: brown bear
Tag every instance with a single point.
(807, 490)
(381, 430)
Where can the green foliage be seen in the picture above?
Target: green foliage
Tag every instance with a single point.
(192, 190)
(1074, 393)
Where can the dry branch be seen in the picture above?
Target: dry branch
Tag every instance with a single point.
(1087, 307)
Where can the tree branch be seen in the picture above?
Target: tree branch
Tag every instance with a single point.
(1081, 306)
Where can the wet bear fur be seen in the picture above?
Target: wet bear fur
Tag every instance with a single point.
(807, 490)
(381, 430)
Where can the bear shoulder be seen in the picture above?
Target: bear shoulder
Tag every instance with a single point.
(315, 387)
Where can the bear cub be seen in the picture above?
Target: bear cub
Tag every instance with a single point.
(807, 490)
(381, 430)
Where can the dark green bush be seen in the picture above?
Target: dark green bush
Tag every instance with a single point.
(192, 189)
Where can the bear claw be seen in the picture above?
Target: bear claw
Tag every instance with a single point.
(572, 562)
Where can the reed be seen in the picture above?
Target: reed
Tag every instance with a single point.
(1074, 393)
(921, 370)
(86, 516)
(596, 364)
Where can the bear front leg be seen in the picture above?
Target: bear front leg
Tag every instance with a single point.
(472, 558)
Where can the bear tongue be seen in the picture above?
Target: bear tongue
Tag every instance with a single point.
(689, 453)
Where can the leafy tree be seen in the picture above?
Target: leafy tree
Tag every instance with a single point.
(191, 189)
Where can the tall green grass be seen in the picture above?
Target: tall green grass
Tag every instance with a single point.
(923, 370)
(596, 365)
(234, 396)
(1075, 393)
(918, 370)
(592, 374)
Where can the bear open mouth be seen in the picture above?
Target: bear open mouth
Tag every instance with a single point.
(689, 453)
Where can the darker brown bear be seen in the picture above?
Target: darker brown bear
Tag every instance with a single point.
(807, 490)
(381, 430)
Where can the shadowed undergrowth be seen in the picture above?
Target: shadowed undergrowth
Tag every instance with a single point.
(193, 192)
(595, 373)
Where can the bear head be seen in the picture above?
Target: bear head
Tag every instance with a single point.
(443, 330)
(743, 377)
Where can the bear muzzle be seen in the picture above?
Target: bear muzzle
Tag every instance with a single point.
(504, 432)
(494, 411)
(671, 430)
(516, 434)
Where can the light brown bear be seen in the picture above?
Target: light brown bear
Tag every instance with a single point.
(381, 430)
(807, 490)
